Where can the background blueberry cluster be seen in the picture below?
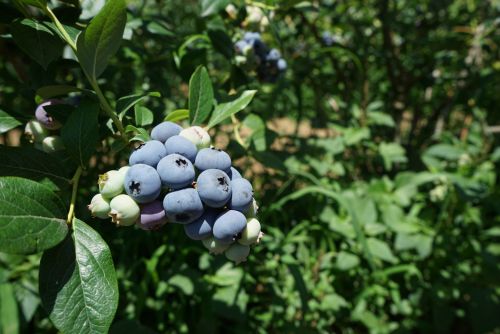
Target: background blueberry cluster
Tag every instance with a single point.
(178, 177)
(253, 53)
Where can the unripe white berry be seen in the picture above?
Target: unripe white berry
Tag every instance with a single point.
(251, 234)
(111, 183)
(99, 207)
(124, 210)
(213, 246)
(237, 253)
(197, 135)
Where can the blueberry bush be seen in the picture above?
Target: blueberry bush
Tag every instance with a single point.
(221, 166)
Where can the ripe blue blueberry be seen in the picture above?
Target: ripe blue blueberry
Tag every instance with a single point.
(229, 226)
(281, 64)
(214, 187)
(43, 117)
(273, 55)
(201, 228)
(182, 146)
(251, 37)
(209, 158)
(152, 216)
(242, 195)
(234, 174)
(183, 206)
(176, 171)
(165, 130)
(149, 153)
(142, 183)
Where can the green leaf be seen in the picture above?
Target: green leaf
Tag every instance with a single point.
(78, 283)
(37, 40)
(80, 133)
(102, 37)
(392, 153)
(140, 134)
(143, 116)
(36, 3)
(381, 250)
(126, 102)
(201, 96)
(182, 282)
(47, 92)
(7, 122)
(177, 115)
(32, 164)
(346, 261)
(210, 7)
(225, 110)
(31, 217)
(9, 315)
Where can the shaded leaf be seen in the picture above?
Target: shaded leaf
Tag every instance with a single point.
(80, 133)
(37, 40)
(101, 39)
(201, 96)
(32, 164)
(7, 122)
(31, 217)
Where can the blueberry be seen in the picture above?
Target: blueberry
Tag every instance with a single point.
(176, 171)
(197, 135)
(209, 158)
(281, 65)
(182, 146)
(52, 144)
(44, 118)
(237, 253)
(152, 216)
(274, 54)
(213, 246)
(99, 207)
(251, 234)
(111, 183)
(149, 153)
(228, 226)
(241, 46)
(251, 37)
(165, 130)
(242, 193)
(183, 206)
(35, 132)
(234, 174)
(142, 183)
(124, 210)
(214, 187)
(201, 228)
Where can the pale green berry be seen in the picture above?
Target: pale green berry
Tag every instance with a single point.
(252, 209)
(251, 234)
(99, 207)
(124, 170)
(237, 253)
(213, 246)
(197, 135)
(52, 144)
(124, 210)
(35, 132)
(111, 183)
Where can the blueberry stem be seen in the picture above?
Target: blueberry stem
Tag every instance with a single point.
(74, 182)
(236, 130)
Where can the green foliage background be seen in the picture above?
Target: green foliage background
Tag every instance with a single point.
(381, 211)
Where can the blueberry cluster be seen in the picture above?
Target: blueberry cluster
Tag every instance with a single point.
(177, 177)
(253, 53)
(42, 131)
